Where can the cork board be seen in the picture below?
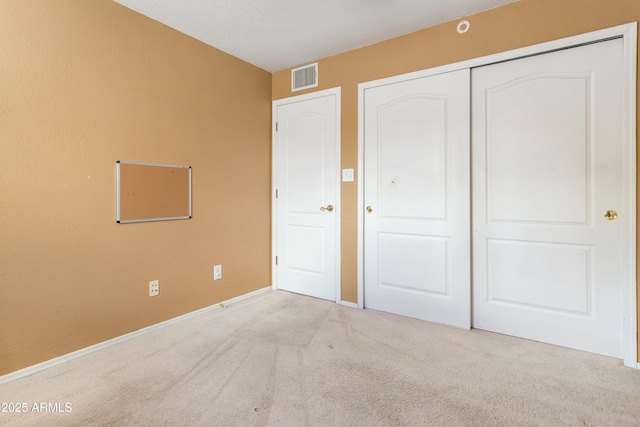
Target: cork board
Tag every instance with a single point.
(152, 192)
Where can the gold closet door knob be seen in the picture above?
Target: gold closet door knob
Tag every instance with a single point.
(611, 215)
(369, 209)
(328, 208)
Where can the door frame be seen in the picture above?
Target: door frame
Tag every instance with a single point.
(628, 33)
(274, 169)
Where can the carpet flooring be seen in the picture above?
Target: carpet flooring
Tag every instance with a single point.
(281, 359)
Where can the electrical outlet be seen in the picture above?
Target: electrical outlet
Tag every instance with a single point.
(154, 288)
(217, 272)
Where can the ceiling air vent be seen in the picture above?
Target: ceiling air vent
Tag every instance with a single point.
(304, 77)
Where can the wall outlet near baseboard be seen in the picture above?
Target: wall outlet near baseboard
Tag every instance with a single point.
(154, 288)
(217, 272)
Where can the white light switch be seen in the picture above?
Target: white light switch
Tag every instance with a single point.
(347, 175)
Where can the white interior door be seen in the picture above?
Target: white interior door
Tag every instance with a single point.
(547, 165)
(306, 212)
(416, 189)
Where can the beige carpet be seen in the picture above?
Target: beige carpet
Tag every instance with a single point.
(280, 359)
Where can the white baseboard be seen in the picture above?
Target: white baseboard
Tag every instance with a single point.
(82, 352)
(349, 304)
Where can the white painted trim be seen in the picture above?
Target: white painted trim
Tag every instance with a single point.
(274, 205)
(336, 91)
(338, 257)
(629, 34)
(100, 346)
(360, 209)
(630, 337)
(349, 304)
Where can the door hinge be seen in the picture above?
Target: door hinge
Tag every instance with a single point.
(276, 259)
(276, 193)
(276, 126)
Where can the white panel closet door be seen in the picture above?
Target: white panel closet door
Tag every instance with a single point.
(547, 165)
(306, 157)
(416, 184)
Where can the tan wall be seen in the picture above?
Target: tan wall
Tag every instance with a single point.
(516, 25)
(84, 83)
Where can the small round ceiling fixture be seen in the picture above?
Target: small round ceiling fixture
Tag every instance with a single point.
(463, 27)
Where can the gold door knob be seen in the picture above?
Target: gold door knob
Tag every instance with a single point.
(611, 215)
(328, 208)
(369, 209)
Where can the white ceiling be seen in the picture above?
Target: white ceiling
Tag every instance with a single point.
(279, 34)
